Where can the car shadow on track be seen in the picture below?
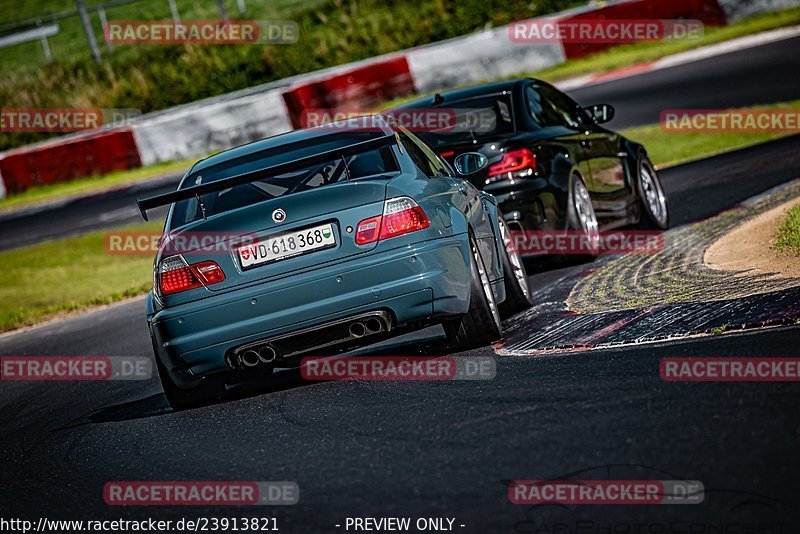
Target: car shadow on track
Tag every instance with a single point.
(428, 342)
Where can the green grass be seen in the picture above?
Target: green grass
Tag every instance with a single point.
(667, 149)
(44, 193)
(718, 330)
(154, 77)
(42, 280)
(70, 43)
(787, 236)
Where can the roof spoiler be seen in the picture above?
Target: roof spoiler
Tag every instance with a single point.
(218, 185)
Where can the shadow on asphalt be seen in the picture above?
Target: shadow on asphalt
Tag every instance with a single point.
(426, 342)
(157, 405)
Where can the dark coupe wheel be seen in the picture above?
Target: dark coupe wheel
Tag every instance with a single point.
(581, 217)
(653, 202)
(481, 324)
(515, 277)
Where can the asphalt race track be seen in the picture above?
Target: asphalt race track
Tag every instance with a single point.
(108, 209)
(758, 75)
(749, 77)
(442, 449)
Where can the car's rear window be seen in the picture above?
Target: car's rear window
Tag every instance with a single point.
(375, 164)
(478, 119)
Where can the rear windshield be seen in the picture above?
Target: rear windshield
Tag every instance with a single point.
(476, 119)
(373, 164)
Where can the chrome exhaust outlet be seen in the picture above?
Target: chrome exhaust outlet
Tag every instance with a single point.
(374, 325)
(343, 331)
(357, 330)
(250, 358)
(267, 354)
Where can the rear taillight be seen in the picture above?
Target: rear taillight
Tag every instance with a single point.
(176, 276)
(368, 230)
(401, 216)
(513, 161)
(209, 272)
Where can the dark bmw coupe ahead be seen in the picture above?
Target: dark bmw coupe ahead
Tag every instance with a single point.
(552, 166)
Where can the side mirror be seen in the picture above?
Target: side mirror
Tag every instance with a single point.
(470, 163)
(601, 113)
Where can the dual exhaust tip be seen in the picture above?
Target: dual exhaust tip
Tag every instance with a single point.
(251, 358)
(267, 353)
(362, 328)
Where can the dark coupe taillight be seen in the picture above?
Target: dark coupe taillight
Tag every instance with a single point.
(513, 161)
(176, 276)
(401, 216)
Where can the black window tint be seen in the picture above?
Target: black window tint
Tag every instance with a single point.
(549, 107)
(370, 164)
(417, 155)
(437, 164)
(475, 120)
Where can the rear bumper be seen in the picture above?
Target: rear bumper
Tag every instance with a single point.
(415, 282)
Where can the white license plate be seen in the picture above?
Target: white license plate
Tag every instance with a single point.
(281, 246)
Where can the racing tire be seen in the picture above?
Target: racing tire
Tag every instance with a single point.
(653, 209)
(581, 218)
(481, 324)
(515, 277)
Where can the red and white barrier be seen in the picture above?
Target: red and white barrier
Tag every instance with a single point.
(707, 11)
(480, 56)
(196, 129)
(359, 86)
(66, 158)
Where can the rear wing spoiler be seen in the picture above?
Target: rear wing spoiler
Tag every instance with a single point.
(225, 183)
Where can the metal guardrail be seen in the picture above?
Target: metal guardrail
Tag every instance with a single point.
(41, 33)
(10, 29)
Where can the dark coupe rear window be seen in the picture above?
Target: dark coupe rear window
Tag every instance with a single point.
(371, 164)
(476, 119)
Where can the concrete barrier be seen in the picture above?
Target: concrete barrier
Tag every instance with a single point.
(738, 9)
(197, 131)
(477, 57)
